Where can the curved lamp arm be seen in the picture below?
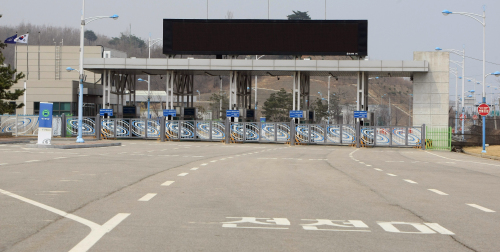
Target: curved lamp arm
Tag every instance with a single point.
(91, 19)
(154, 41)
(467, 14)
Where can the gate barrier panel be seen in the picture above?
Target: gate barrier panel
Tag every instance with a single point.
(272, 132)
(20, 125)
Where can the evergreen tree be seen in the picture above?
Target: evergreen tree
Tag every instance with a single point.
(215, 104)
(8, 77)
(277, 107)
(90, 36)
(299, 15)
(321, 110)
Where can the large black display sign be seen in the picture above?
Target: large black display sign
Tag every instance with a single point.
(269, 37)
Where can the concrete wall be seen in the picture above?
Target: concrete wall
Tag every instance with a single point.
(431, 90)
(52, 87)
(53, 65)
(46, 91)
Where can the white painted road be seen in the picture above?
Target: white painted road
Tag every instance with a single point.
(181, 196)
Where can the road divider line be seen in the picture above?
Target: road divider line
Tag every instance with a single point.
(481, 208)
(97, 231)
(392, 175)
(4, 164)
(377, 169)
(183, 174)
(147, 197)
(437, 191)
(204, 164)
(60, 157)
(194, 169)
(30, 161)
(410, 181)
(167, 183)
(368, 165)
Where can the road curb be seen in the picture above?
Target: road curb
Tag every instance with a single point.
(73, 146)
(481, 155)
(15, 142)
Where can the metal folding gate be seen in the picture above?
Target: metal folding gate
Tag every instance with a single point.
(240, 132)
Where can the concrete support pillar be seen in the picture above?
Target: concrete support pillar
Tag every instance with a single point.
(362, 91)
(104, 83)
(233, 80)
(301, 88)
(431, 90)
(169, 99)
(305, 87)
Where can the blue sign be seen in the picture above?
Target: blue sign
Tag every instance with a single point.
(169, 112)
(106, 111)
(296, 114)
(262, 119)
(360, 114)
(45, 116)
(232, 113)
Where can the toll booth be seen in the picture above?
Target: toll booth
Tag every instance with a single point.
(188, 113)
(249, 115)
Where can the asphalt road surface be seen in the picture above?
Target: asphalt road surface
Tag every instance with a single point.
(192, 196)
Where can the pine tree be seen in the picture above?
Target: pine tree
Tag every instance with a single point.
(299, 15)
(8, 77)
(276, 108)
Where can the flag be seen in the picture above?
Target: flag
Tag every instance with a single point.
(23, 39)
(10, 40)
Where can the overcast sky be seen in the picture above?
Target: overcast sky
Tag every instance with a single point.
(396, 28)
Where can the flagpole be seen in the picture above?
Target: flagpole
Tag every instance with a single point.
(38, 55)
(15, 49)
(27, 59)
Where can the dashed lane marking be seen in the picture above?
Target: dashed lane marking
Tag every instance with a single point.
(213, 161)
(437, 191)
(30, 161)
(392, 175)
(368, 165)
(60, 157)
(204, 164)
(167, 183)
(183, 174)
(194, 169)
(481, 208)
(377, 169)
(4, 164)
(410, 181)
(147, 197)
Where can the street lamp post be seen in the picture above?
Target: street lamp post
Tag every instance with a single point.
(455, 72)
(409, 115)
(328, 95)
(84, 21)
(483, 23)
(390, 118)
(462, 54)
(149, 95)
(150, 44)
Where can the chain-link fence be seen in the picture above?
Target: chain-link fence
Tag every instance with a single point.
(473, 130)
